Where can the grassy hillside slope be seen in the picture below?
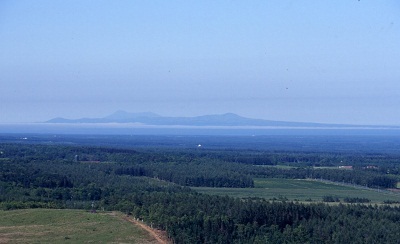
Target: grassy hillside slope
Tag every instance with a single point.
(68, 226)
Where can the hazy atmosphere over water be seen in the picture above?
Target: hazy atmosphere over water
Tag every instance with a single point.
(315, 61)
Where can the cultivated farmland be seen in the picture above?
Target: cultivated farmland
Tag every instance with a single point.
(302, 190)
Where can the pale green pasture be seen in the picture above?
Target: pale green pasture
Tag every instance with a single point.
(67, 226)
(302, 190)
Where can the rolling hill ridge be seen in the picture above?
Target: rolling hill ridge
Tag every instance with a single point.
(227, 119)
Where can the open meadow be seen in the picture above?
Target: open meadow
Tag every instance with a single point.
(301, 190)
(68, 226)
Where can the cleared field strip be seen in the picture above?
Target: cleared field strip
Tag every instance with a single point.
(68, 226)
(301, 190)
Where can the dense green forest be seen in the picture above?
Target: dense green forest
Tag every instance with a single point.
(152, 184)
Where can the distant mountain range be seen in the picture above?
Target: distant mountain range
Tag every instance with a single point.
(228, 119)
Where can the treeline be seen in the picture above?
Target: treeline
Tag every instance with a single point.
(374, 179)
(189, 217)
(137, 183)
(306, 158)
(213, 168)
(185, 170)
(194, 218)
(198, 173)
(346, 199)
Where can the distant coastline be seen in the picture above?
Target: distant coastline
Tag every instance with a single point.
(213, 121)
(142, 129)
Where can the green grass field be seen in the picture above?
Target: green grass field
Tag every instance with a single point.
(301, 190)
(67, 226)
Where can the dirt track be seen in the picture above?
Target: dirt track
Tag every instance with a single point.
(159, 235)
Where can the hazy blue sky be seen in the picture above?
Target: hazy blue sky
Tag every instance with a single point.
(334, 61)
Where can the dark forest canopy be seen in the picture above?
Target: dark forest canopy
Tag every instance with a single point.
(307, 142)
(151, 183)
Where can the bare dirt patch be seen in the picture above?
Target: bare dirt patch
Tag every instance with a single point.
(159, 235)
